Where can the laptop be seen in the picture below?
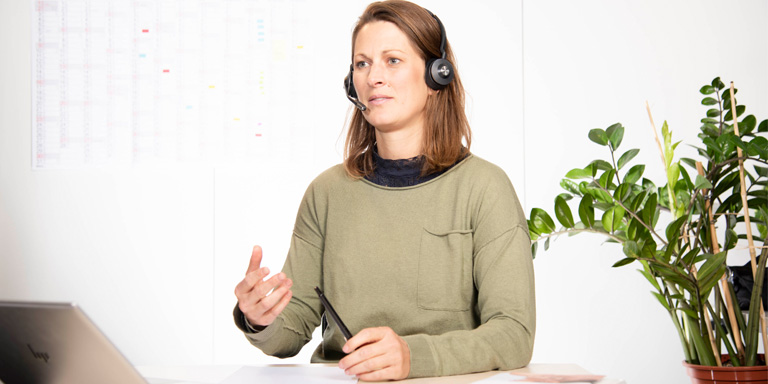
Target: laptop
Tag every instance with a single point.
(57, 343)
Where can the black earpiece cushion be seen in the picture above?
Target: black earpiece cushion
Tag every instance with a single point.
(349, 85)
(439, 73)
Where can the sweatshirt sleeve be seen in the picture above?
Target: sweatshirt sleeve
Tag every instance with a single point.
(293, 328)
(504, 282)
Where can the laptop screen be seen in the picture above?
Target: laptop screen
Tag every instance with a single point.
(57, 343)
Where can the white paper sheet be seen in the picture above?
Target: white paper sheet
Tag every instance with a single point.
(289, 374)
(505, 377)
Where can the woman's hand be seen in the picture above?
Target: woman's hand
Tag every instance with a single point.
(258, 305)
(377, 354)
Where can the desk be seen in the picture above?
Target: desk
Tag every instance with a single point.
(213, 374)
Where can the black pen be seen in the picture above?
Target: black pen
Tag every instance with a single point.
(334, 315)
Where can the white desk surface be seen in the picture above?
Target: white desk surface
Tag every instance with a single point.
(209, 374)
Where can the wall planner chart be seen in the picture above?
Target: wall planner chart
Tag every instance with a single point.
(124, 83)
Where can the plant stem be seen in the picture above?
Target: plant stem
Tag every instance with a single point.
(632, 213)
(728, 346)
(579, 230)
(613, 160)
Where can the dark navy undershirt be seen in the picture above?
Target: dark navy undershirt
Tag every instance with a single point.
(401, 172)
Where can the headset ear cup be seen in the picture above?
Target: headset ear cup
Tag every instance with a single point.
(349, 85)
(439, 73)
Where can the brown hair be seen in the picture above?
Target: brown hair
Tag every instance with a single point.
(445, 121)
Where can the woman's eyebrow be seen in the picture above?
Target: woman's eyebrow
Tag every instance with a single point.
(384, 52)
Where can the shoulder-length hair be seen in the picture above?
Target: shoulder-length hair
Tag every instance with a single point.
(445, 122)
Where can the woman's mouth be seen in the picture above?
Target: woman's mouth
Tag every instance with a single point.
(378, 99)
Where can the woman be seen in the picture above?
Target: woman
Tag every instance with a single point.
(421, 247)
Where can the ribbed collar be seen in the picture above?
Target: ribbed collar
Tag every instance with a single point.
(400, 172)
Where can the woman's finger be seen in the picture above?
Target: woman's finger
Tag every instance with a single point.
(250, 281)
(255, 261)
(265, 310)
(366, 336)
(263, 288)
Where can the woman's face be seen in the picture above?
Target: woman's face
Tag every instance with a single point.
(389, 78)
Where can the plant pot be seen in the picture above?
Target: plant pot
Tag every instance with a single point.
(702, 374)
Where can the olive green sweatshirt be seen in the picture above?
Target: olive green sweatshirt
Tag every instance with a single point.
(446, 264)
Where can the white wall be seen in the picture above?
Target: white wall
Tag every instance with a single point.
(153, 255)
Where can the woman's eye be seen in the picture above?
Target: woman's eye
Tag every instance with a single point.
(361, 64)
(394, 61)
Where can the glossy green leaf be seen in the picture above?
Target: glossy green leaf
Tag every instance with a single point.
(649, 209)
(761, 171)
(727, 93)
(707, 90)
(634, 174)
(660, 298)
(763, 127)
(740, 109)
(563, 212)
(623, 262)
(633, 228)
(587, 211)
(709, 281)
(689, 312)
(758, 146)
(612, 218)
(578, 173)
(622, 192)
(606, 179)
(598, 136)
(601, 165)
(615, 135)
(734, 140)
(714, 112)
(708, 101)
(626, 157)
(690, 257)
(631, 249)
(673, 231)
(702, 183)
(731, 237)
(747, 125)
(687, 179)
(637, 201)
(542, 221)
(727, 102)
(717, 83)
(650, 279)
(673, 174)
(648, 185)
(570, 186)
(711, 265)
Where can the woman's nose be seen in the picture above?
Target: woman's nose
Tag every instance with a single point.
(376, 75)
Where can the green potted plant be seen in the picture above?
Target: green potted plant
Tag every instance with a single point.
(680, 231)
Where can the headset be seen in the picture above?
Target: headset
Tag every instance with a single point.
(438, 74)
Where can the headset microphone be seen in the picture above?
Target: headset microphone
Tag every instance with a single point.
(349, 86)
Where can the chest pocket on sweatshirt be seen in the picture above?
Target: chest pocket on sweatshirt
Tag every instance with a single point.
(445, 270)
